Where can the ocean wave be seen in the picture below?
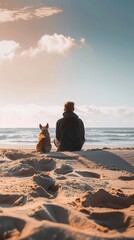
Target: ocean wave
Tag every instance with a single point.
(118, 131)
(14, 136)
(21, 141)
(119, 139)
(92, 140)
(6, 131)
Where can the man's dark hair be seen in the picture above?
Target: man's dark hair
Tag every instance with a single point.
(69, 106)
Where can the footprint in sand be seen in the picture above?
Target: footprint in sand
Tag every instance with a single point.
(104, 199)
(63, 169)
(51, 212)
(28, 167)
(8, 200)
(112, 220)
(38, 191)
(63, 215)
(11, 227)
(43, 164)
(126, 178)
(47, 183)
(20, 169)
(88, 174)
(16, 156)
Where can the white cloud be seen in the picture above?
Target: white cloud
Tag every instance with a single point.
(92, 116)
(46, 11)
(56, 43)
(8, 49)
(29, 116)
(104, 110)
(107, 116)
(27, 13)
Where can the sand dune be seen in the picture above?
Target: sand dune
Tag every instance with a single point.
(56, 196)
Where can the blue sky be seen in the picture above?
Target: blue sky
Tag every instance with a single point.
(106, 72)
(54, 51)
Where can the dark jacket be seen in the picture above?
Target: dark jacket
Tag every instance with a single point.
(70, 132)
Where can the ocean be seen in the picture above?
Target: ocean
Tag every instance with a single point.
(106, 137)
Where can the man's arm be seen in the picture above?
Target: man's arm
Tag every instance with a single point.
(82, 130)
(58, 131)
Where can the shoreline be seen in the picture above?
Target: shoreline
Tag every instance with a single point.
(85, 147)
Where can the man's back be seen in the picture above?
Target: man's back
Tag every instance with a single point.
(70, 132)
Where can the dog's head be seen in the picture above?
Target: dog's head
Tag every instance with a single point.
(44, 129)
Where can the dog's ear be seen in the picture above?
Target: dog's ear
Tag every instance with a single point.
(47, 126)
(40, 126)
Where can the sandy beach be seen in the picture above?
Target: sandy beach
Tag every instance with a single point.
(67, 195)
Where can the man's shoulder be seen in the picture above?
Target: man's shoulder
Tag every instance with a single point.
(79, 119)
(60, 120)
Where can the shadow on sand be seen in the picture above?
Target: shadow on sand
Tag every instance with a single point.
(102, 157)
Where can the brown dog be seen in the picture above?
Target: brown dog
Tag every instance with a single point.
(44, 143)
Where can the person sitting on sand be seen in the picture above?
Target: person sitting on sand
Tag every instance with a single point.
(70, 132)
